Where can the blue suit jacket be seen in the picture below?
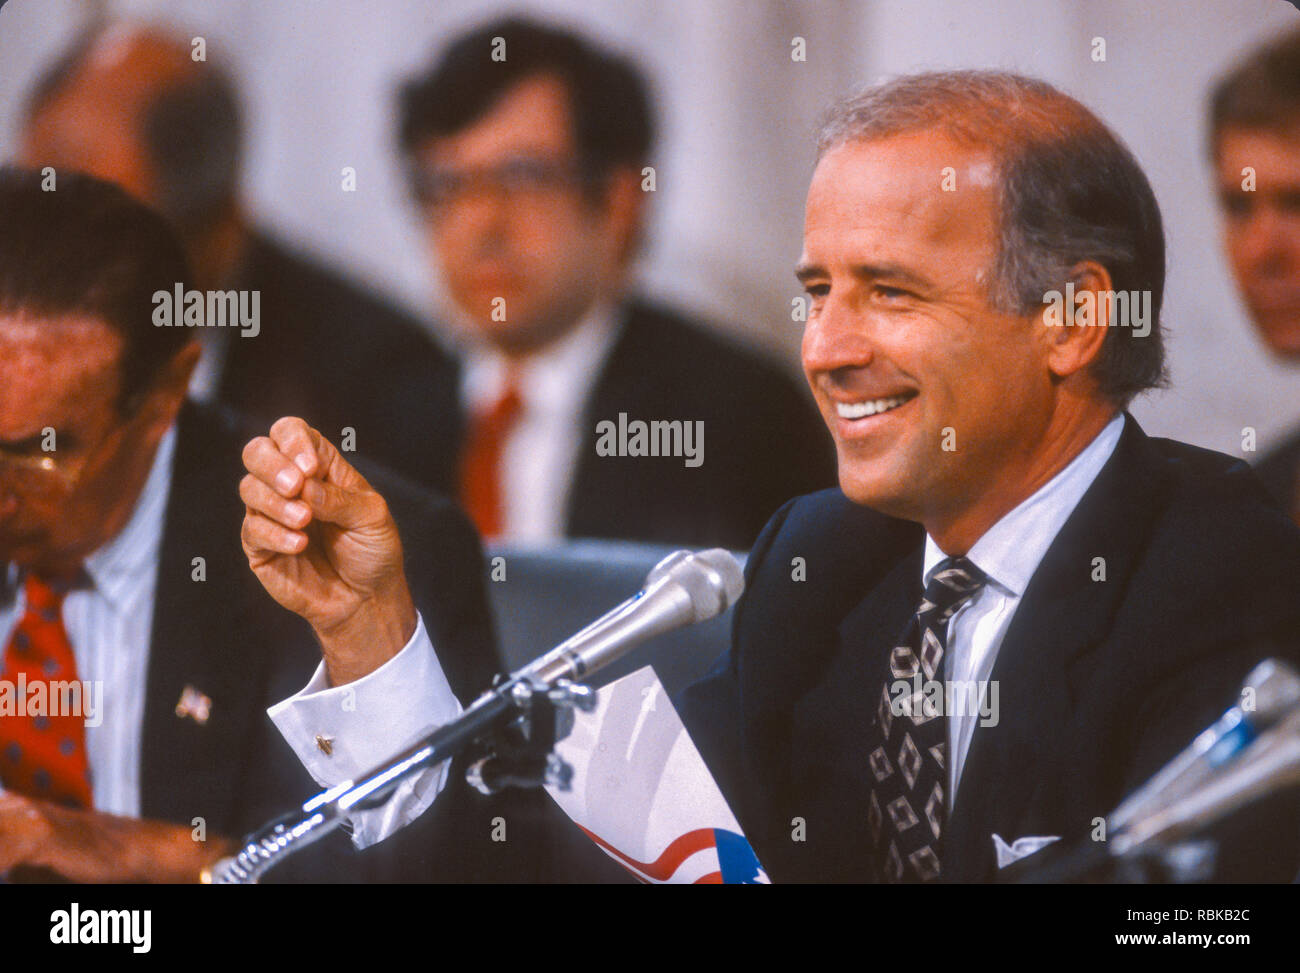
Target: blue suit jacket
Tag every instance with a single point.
(1101, 682)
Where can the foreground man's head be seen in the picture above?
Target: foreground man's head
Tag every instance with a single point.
(944, 211)
(88, 386)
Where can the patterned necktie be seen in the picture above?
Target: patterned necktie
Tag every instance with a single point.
(43, 742)
(480, 471)
(906, 750)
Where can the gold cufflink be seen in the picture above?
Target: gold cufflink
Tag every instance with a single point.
(195, 705)
(324, 744)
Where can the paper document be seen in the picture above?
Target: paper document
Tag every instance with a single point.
(641, 791)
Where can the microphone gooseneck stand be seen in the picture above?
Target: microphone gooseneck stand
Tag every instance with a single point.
(518, 721)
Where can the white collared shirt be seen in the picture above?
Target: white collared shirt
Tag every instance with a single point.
(1008, 553)
(542, 450)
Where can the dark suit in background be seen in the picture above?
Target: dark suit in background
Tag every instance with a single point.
(338, 356)
(1101, 682)
(763, 440)
(1280, 471)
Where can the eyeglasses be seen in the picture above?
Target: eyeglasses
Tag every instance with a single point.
(39, 470)
(515, 179)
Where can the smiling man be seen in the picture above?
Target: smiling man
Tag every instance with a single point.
(1004, 533)
(1002, 524)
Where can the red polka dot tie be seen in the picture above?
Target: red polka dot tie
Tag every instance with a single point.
(42, 731)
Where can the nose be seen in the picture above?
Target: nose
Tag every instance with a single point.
(836, 339)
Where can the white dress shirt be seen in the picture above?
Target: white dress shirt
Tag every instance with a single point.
(541, 452)
(369, 721)
(1009, 553)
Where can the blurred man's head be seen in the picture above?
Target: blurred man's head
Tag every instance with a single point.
(525, 156)
(129, 105)
(88, 385)
(943, 211)
(1255, 126)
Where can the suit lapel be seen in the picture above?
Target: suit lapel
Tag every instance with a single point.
(201, 639)
(1065, 613)
(831, 784)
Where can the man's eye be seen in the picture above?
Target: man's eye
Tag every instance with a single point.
(817, 290)
(891, 293)
(526, 175)
(1289, 203)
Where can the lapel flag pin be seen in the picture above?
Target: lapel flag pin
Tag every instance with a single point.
(195, 705)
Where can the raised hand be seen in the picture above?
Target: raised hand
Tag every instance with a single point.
(324, 545)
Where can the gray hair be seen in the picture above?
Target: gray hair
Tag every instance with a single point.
(1068, 191)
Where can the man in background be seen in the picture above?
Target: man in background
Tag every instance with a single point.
(526, 147)
(1255, 147)
(130, 105)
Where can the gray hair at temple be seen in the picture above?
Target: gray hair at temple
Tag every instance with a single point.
(1068, 191)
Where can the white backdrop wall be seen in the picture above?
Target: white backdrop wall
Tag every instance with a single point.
(317, 79)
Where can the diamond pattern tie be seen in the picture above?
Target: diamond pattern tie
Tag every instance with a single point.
(43, 754)
(906, 752)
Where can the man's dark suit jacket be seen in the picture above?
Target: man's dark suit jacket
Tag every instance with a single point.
(225, 637)
(340, 357)
(1280, 471)
(1101, 682)
(763, 440)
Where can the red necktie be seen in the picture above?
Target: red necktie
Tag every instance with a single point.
(480, 471)
(43, 755)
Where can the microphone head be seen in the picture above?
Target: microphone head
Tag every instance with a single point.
(1277, 690)
(713, 579)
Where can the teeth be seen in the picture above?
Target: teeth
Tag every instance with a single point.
(860, 410)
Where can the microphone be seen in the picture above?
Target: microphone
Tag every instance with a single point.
(1269, 764)
(682, 589)
(1142, 816)
(1276, 686)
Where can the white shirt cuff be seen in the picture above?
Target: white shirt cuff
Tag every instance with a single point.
(342, 732)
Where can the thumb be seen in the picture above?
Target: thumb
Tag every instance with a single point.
(350, 509)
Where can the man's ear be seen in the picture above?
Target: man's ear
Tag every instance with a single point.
(168, 393)
(1076, 332)
(625, 203)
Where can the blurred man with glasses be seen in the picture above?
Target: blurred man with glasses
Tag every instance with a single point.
(525, 147)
